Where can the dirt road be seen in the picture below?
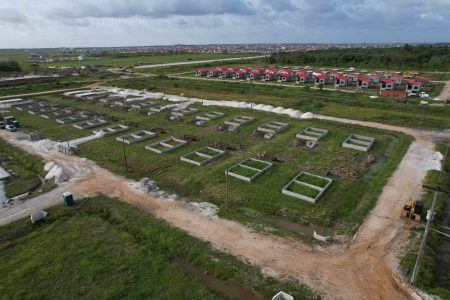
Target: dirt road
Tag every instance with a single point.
(445, 93)
(365, 269)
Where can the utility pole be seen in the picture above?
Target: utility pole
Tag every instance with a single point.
(226, 189)
(427, 229)
(124, 155)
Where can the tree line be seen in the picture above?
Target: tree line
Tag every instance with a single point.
(10, 66)
(433, 57)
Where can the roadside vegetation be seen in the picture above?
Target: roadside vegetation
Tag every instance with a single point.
(358, 179)
(103, 248)
(338, 104)
(27, 170)
(422, 57)
(434, 272)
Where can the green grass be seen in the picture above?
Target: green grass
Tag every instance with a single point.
(26, 170)
(343, 207)
(313, 180)
(105, 249)
(339, 104)
(303, 190)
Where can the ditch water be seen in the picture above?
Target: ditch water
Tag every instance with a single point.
(291, 226)
(225, 287)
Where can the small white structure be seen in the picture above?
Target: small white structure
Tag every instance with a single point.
(37, 216)
(282, 296)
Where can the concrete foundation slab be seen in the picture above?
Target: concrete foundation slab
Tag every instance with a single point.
(56, 114)
(249, 169)
(72, 119)
(203, 156)
(159, 108)
(136, 137)
(273, 127)
(91, 123)
(306, 186)
(110, 130)
(185, 112)
(143, 104)
(240, 121)
(359, 142)
(208, 116)
(312, 134)
(166, 145)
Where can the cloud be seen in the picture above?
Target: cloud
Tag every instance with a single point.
(12, 16)
(148, 22)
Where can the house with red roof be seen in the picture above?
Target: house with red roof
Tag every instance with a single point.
(213, 73)
(341, 81)
(398, 79)
(254, 75)
(363, 83)
(220, 68)
(226, 73)
(245, 70)
(387, 85)
(270, 75)
(322, 79)
(376, 78)
(239, 74)
(413, 86)
(335, 75)
(353, 77)
(302, 77)
(201, 72)
(284, 76)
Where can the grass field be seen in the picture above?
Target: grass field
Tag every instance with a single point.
(26, 170)
(383, 110)
(342, 208)
(105, 249)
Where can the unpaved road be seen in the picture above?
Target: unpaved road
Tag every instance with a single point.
(365, 269)
(445, 93)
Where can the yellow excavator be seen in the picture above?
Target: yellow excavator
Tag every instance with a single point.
(412, 210)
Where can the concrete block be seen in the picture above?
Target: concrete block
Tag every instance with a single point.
(91, 123)
(273, 127)
(136, 137)
(110, 130)
(208, 116)
(143, 104)
(359, 142)
(282, 296)
(240, 121)
(166, 145)
(203, 156)
(251, 168)
(312, 134)
(310, 182)
(159, 108)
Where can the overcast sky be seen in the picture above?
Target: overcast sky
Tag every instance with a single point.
(70, 23)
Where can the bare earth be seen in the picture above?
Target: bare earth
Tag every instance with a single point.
(364, 269)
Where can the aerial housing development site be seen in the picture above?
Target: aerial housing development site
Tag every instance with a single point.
(242, 149)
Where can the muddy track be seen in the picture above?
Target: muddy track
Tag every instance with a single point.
(364, 269)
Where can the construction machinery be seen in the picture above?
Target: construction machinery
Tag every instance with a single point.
(412, 210)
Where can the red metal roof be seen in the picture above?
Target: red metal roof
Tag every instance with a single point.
(388, 81)
(355, 74)
(374, 75)
(303, 75)
(363, 79)
(201, 70)
(284, 73)
(254, 73)
(414, 82)
(227, 71)
(343, 78)
(322, 77)
(213, 70)
(239, 72)
(336, 73)
(397, 76)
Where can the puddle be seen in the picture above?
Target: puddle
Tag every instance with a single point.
(298, 228)
(227, 288)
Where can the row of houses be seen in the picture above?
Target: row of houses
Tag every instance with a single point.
(339, 79)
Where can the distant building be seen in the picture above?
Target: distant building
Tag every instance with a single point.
(82, 57)
(239, 74)
(302, 77)
(270, 75)
(422, 79)
(213, 73)
(398, 79)
(387, 85)
(341, 81)
(322, 79)
(285, 76)
(413, 86)
(254, 75)
(376, 78)
(335, 75)
(354, 77)
(226, 73)
(363, 83)
(201, 72)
